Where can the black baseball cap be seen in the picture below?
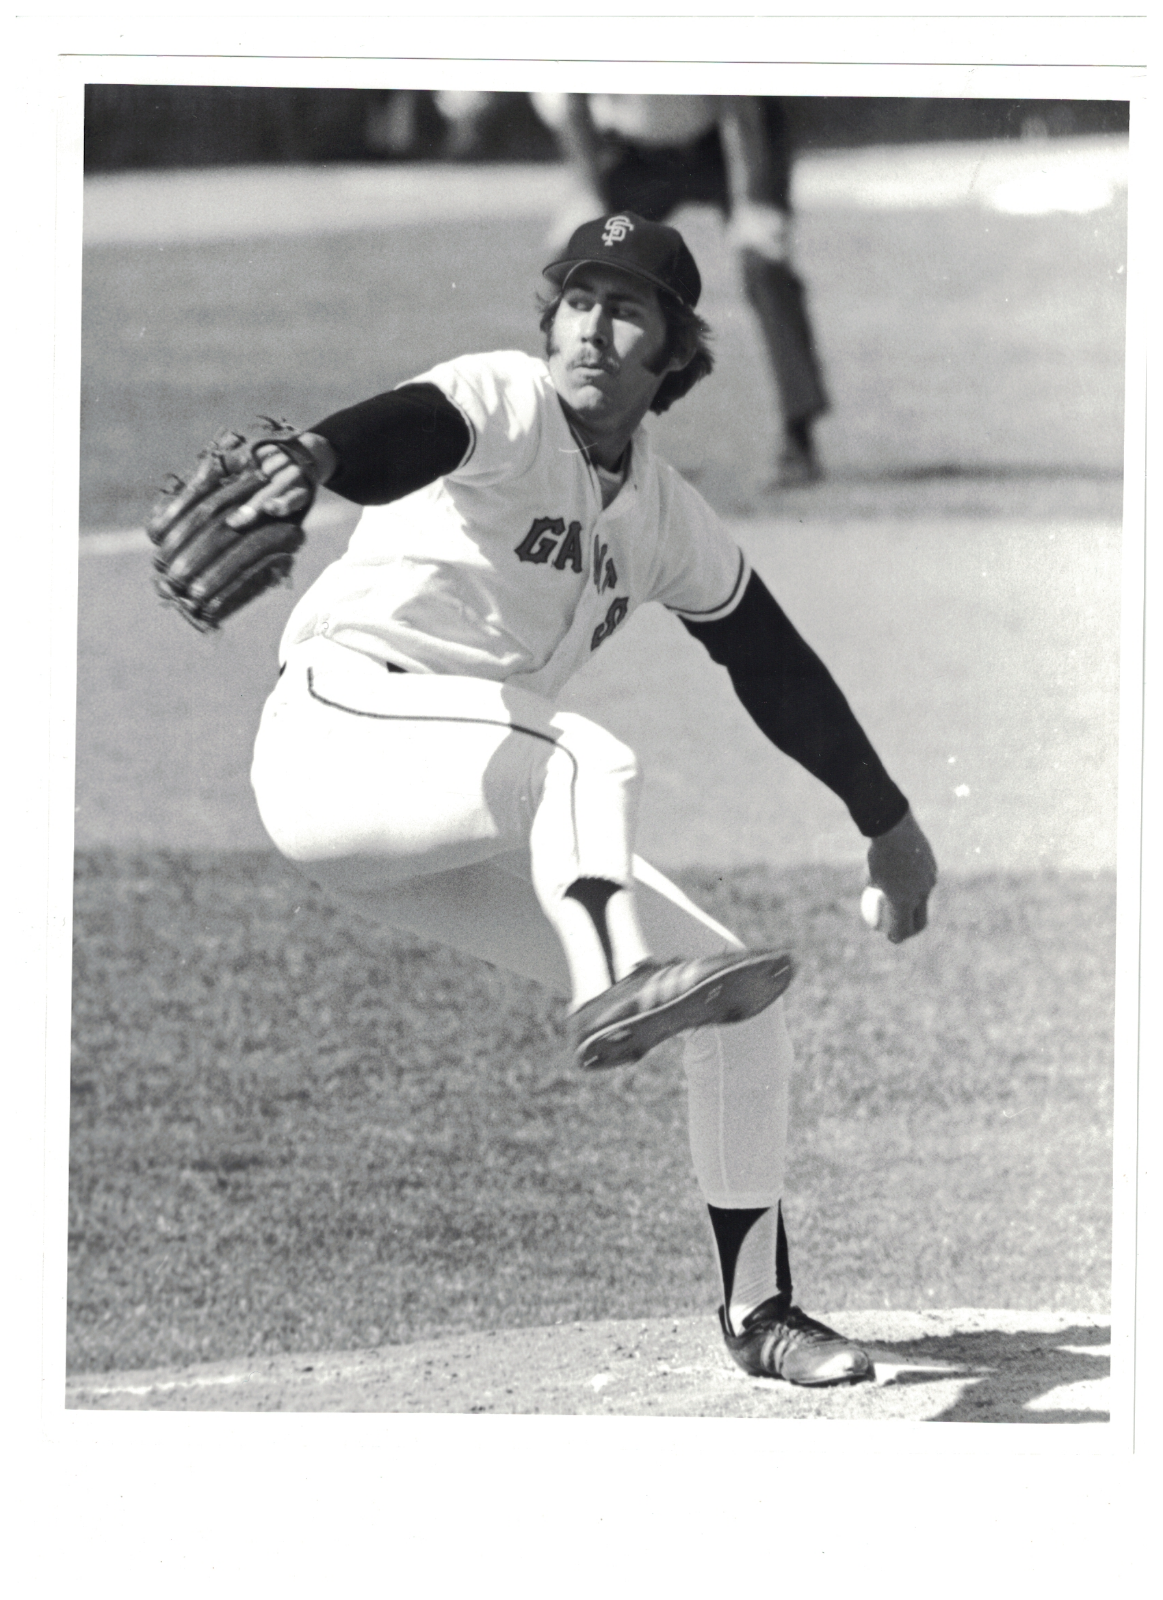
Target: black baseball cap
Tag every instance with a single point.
(650, 250)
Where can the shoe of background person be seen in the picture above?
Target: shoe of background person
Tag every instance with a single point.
(798, 465)
(661, 998)
(778, 1340)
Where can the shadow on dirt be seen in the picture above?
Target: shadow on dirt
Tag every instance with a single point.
(1011, 1371)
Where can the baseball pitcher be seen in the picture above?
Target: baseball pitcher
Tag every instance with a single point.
(411, 758)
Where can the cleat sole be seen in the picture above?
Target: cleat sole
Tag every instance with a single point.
(737, 997)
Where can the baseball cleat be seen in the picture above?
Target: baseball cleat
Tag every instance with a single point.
(778, 1340)
(797, 467)
(661, 998)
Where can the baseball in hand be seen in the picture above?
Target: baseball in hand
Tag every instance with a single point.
(873, 905)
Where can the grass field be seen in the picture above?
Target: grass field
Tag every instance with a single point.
(292, 1130)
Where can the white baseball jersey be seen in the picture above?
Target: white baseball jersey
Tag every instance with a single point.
(509, 568)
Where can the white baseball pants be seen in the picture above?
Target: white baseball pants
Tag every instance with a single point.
(455, 808)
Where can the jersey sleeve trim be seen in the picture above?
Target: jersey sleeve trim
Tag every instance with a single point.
(714, 613)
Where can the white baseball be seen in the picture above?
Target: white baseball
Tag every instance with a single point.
(873, 905)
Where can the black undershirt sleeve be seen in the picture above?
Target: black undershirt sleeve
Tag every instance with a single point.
(395, 443)
(794, 699)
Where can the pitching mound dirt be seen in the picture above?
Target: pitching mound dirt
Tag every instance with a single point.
(935, 1366)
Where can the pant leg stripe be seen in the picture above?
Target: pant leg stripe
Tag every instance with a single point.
(478, 722)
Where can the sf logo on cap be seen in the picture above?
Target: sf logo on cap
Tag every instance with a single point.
(616, 230)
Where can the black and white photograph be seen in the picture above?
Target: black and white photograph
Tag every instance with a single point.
(604, 784)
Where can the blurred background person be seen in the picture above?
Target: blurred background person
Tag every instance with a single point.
(652, 153)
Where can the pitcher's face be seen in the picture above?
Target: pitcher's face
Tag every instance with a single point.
(605, 347)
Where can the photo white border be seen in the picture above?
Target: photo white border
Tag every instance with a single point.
(646, 1495)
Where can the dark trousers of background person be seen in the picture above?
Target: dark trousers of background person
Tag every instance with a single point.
(655, 182)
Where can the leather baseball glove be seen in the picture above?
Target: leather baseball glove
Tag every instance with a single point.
(221, 537)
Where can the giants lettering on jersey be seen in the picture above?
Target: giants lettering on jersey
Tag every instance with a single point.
(605, 576)
(616, 614)
(542, 540)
